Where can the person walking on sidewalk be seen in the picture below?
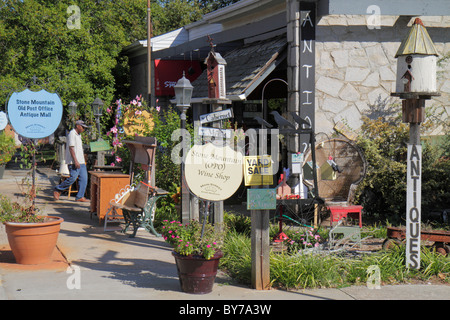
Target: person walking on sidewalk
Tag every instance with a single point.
(76, 163)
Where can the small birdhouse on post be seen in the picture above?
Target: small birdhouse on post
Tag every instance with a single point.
(216, 74)
(416, 72)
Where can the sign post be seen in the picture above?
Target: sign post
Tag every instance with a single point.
(34, 115)
(258, 172)
(416, 82)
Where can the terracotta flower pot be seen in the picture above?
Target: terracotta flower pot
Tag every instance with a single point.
(33, 243)
(197, 274)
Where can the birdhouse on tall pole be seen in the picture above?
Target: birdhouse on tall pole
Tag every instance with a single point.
(217, 99)
(215, 65)
(416, 83)
(416, 72)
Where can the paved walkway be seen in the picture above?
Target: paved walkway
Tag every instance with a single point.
(93, 264)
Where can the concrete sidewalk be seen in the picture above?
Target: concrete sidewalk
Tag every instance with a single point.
(93, 264)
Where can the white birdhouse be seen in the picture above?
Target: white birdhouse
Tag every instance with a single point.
(416, 62)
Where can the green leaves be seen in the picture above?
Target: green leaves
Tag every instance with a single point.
(77, 62)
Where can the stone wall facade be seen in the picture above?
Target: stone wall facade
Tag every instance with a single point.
(356, 67)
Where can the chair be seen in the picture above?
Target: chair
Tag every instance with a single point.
(70, 190)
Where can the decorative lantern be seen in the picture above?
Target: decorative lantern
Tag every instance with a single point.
(183, 93)
(416, 62)
(73, 108)
(97, 107)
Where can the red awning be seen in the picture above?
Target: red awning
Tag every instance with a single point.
(168, 72)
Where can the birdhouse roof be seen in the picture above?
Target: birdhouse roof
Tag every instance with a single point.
(417, 41)
(217, 57)
(246, 67)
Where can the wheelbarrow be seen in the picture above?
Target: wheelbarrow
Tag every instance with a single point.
(441, 239)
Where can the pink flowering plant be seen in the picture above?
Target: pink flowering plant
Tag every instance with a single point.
(161, 123)
(304, 239)
(187, 239)
(129, 114)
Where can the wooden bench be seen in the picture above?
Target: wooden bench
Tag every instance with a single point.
(138, 205)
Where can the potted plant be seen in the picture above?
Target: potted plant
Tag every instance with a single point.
(196, 251)
(32, 237)
(7, 150)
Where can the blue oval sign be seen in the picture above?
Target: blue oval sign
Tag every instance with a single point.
(35, 114)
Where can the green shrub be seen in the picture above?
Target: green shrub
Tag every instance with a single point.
(7, 147)
(383, 190)
(237, 222)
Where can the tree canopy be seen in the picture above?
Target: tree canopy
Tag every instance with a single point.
(74, 47)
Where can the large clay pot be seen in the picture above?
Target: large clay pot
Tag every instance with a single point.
(197, 274)
(33, 243)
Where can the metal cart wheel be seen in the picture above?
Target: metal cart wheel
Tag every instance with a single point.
(391, 243)
(442, 248)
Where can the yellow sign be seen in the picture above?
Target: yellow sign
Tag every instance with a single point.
(258, 170)
(135, 122)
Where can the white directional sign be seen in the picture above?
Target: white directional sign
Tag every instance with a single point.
(214, 132)
(216, 116)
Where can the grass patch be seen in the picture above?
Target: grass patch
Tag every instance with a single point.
(237, 259)
(298, 271)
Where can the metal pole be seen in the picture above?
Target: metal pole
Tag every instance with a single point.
(205, 216)
(312, 142)
(149, 52)
(185, 197)
(33, 173)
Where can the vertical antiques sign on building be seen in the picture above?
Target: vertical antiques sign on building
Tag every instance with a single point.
(307, 66)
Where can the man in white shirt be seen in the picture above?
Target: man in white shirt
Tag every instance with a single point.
(76, 163)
